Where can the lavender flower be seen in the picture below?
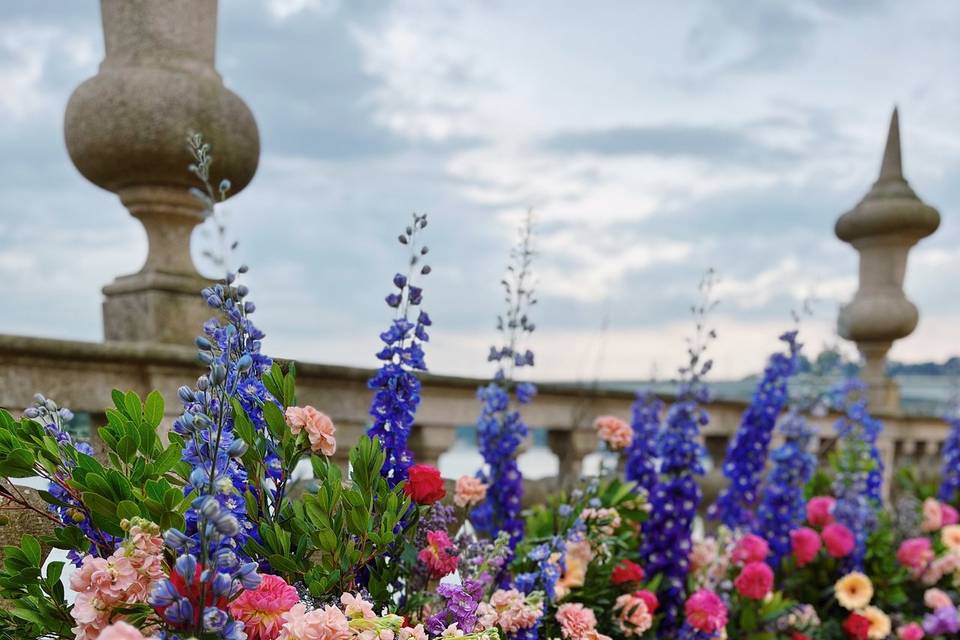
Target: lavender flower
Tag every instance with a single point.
(784, 507)
(460, 607)
(747, 451)
(395, 385)
(641, 465)
(500, 428)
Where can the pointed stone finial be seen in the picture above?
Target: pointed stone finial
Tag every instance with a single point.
(891, 168)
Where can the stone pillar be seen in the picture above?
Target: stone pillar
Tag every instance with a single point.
(126, 129)
(883, 228)
(429, 442)
(571, 446)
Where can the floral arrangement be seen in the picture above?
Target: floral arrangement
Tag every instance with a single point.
(207, 531)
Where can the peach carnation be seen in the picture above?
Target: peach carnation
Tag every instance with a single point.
(932, 515)
(880, 626)
(576, 561)
(319, 428)
(514, 610)
(633, 616)
(936, 599)
(469, 491)
(614, 431)
(261, 610)
(950, 536)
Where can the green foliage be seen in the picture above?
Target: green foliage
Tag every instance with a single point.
(755, 619)
(39, 608)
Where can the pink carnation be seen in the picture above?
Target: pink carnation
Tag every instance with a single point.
(948, 514)
(577, 622)
(614, 431)
(806, 545)
(915, 553)
(436, 555)
(936, 599)
(319, 428)
(469, 491)
(634, 618)
(755, 581)
(261, 610)
(932, 515)
(514, 611)
(705, 611)
(325, 623)
(912, 631)
(122, 631)
(750, 548)
(820, 511)
(839, 539)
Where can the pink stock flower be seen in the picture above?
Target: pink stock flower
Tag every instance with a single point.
(820, 511)
(614, 431)
(356, 607)
(839, 539)
(806, 545)
(912, 631)
(412, 633)
(705, 611)
(755, 581)
(946, 564)
(750, 548)
(469, 491)
(486, 616)
(325, 623)
(915, 554)
(932, 515)
(948, 514)
(122, 631)
(633, 616)
(319, 428)
(436, 555)
(514, 611)
(261, 610)
(936, 599)
(577, 622)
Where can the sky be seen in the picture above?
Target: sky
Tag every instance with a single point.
(652, 140)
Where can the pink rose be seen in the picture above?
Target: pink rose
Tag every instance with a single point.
(705, 611)
(755, 581)
(936, 599)
(915, 553)
(750, 548)
(469, 491)
(319, 428)
(932, 515)
(949, 514)
(839, 539)
(806, 545)
(614, 431)
(820, 511)
(122, 631)
(912, 631)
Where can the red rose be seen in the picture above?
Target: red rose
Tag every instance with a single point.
(424, 484)
(796, 635)
(625, 572)
(649, 599)
(856, 627)
(755, 581)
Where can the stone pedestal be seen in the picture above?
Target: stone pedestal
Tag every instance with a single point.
(571, 447)
(429, 442)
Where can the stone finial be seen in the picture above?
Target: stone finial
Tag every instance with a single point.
(883, 227)
(125, 130)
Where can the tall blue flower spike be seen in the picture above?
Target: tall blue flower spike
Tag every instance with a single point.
(747, 452)
(950, 477)
(676, 495)
(500, 428)
(641, 465)
(395, 385)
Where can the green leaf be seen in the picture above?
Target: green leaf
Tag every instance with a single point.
(128, 509)
(127, 447)
(275, 420)
(153, 413)
(31, 548)
(133, 406)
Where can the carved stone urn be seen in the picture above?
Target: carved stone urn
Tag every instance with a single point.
(126, 130)
(883, 228)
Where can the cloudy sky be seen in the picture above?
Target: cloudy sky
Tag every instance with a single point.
(652, 139)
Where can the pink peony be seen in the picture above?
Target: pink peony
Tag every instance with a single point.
(750, 548)
(122, 631)
(469, 491)
(577, 622)
(614, 431)
(514, 610)
(806, 545)
(319, 428)
(932, 515)
(949, 515)
(912, 631)
(839, 539)
(936, 599)
(436, 555)
(633, 616)
(915, 554)
(325, 623)
(261, 610)
(820, 511)
(755, 581)
(705, 611)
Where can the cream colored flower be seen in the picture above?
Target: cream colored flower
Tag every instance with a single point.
(950, 535)
(879, 623)
(853, 591)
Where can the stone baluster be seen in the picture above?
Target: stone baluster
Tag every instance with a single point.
(430, 441)
(571, 446)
